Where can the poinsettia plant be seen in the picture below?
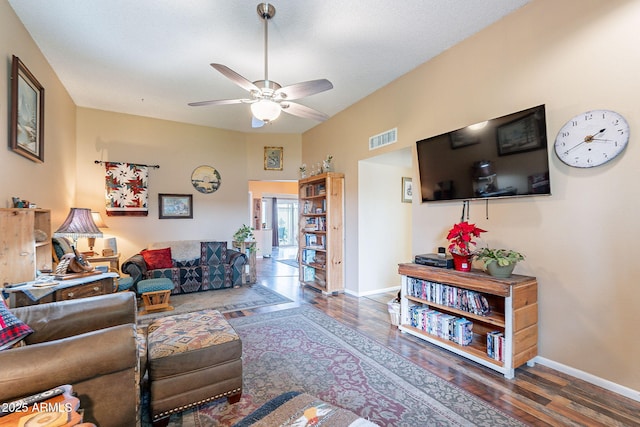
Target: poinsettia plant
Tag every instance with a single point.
(461, 238)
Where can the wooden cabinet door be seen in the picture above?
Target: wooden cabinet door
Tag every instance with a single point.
(17, 249)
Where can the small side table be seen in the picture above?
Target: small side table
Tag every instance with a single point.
(113, 260)
(61, 410)
(249, 249)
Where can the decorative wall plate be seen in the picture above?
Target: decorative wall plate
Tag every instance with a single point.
(205, 179)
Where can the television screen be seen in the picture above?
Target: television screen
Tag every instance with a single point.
(503, 157)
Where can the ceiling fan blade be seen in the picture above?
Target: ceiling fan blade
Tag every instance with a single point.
(255, 123)
(300, 90)
(235, 77)
(219, 102)
(302, 111)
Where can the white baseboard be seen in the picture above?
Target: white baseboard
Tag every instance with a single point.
(585, 376)
(374, 292)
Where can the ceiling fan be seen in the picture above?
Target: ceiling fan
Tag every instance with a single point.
(268, 98)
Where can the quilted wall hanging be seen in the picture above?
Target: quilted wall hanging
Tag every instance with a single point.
(126, 189)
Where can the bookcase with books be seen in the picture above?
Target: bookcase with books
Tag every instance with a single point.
(489, 320)
(321, 236)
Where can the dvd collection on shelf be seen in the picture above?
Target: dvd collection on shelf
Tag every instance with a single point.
(445, 326)
(495, 345)
(450, 296)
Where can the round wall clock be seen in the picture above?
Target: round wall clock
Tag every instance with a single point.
(205, 179)
(592, 138)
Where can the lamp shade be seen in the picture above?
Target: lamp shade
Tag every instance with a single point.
(78, 224)
(98, 221)
(265, 110)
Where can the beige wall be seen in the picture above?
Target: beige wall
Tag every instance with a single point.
(576, 241)
(386, 225)
(178, 148)
(579, 241)
(51, 184)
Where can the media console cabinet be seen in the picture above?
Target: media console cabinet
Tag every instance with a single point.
(512, 314)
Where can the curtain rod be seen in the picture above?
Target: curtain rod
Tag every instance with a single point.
(99, 162)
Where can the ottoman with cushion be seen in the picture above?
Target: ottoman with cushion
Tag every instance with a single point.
(155, 294)
(193, 358)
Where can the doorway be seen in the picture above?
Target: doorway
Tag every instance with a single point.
(282, 213)
(379, 191)
(274, 213)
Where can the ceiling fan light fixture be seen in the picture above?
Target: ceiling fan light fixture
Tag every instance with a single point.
(265, 110)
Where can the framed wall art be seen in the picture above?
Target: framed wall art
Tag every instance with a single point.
(273, 158)
(407, 190)
(27, 113)
(175, 206)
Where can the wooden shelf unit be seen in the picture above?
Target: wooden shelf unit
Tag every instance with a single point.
(321, 233)
(20, 255)
(249, 275)
(513, 311)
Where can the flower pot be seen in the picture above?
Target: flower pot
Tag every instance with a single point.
(462, 262)
(501, 271)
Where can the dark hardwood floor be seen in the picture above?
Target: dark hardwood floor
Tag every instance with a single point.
(537, 396)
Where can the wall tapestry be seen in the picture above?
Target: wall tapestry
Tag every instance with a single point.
(126, 189)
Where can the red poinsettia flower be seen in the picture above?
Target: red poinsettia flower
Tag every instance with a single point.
(461, 237)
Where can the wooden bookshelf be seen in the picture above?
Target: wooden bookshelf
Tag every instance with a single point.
(321, 234)
(513, 311)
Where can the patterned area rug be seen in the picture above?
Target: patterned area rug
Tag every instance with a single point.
(223, 300)
(302, 349)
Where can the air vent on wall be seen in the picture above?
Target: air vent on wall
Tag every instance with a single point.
(384, 138)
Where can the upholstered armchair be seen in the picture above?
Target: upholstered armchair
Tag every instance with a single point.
(89, 343)
(212, 265)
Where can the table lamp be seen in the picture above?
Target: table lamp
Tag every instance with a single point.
(99, 222)
(79, 223)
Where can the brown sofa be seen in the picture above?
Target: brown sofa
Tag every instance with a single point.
(89, 343)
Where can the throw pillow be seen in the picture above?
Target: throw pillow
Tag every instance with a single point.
(157, 258)
(12, 329)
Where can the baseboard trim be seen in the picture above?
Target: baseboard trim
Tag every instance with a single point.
(590, 378)
(373, 292)
(577, 373)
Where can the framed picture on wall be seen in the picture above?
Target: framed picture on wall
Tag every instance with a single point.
(273, 158)
(407, 190)
(27, 113)
(175, 206)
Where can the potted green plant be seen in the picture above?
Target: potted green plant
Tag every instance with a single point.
(462, 245)
(499, 262)
(244, 234)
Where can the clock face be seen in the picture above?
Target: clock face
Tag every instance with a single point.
(592, 138)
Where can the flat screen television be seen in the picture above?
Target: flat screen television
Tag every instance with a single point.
(502, 157)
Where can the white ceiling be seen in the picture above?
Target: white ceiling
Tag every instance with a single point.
(151, 57)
